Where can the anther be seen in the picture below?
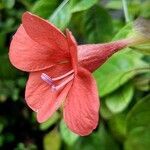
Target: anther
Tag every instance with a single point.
(46, 78)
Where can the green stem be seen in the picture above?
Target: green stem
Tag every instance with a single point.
(58, 9)
(125, 8)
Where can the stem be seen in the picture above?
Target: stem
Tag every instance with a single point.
(58, 9)
(125, 8)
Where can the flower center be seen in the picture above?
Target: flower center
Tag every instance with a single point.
(51, 81)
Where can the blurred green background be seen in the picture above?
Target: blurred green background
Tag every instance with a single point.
(123, 81)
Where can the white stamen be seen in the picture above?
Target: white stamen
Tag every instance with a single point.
(63, 76)
(55, 88)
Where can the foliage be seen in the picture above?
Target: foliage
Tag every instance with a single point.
(123, 81)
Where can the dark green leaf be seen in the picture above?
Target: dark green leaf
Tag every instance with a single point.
(143, 82)
(7, 71)
(9, 3)
(7, 88)
(139, 115)
(138, 139)
(97, 25)
(44, 8)
(104, 111)
(117, 124)
(101, 140)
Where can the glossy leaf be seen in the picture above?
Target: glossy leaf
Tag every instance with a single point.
(117, 125)
(138, 139)
(44, 8)
(97, 25)
(120, 99)
(139, 115)
(82, 5)
(104, 111)
(69, 137)
(117, 70)
(62, 17)
(63, 13)
(101, 140)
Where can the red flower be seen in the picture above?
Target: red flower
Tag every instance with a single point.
(60, 69)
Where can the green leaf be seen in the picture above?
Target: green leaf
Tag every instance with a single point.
(119, 69)
(145, 9)
(120, 99)
(97, 25)
(124, 32)
(2, 43)
(138, 139)
(134, 8)
(82, 5)
(8, 88)
(104, 111)
(142, 82)
(100, 140)
(139, 115)
(117, 125)
(44, 8)
(144, 48)
(22, 146)
(62, 17)
(69, 137)
(52, 140)
(63, 13)
(51, 121)
(21, 82)
(9, 3)
(7, 71)
(114, 5)
(2, 140)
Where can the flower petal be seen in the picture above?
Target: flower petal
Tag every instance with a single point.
(81, 109)
(45, 33)
(39, 92)
(73, 49)
(27, 55)
(52, 104)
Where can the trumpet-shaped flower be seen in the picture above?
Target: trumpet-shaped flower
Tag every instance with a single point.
(60, 72)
